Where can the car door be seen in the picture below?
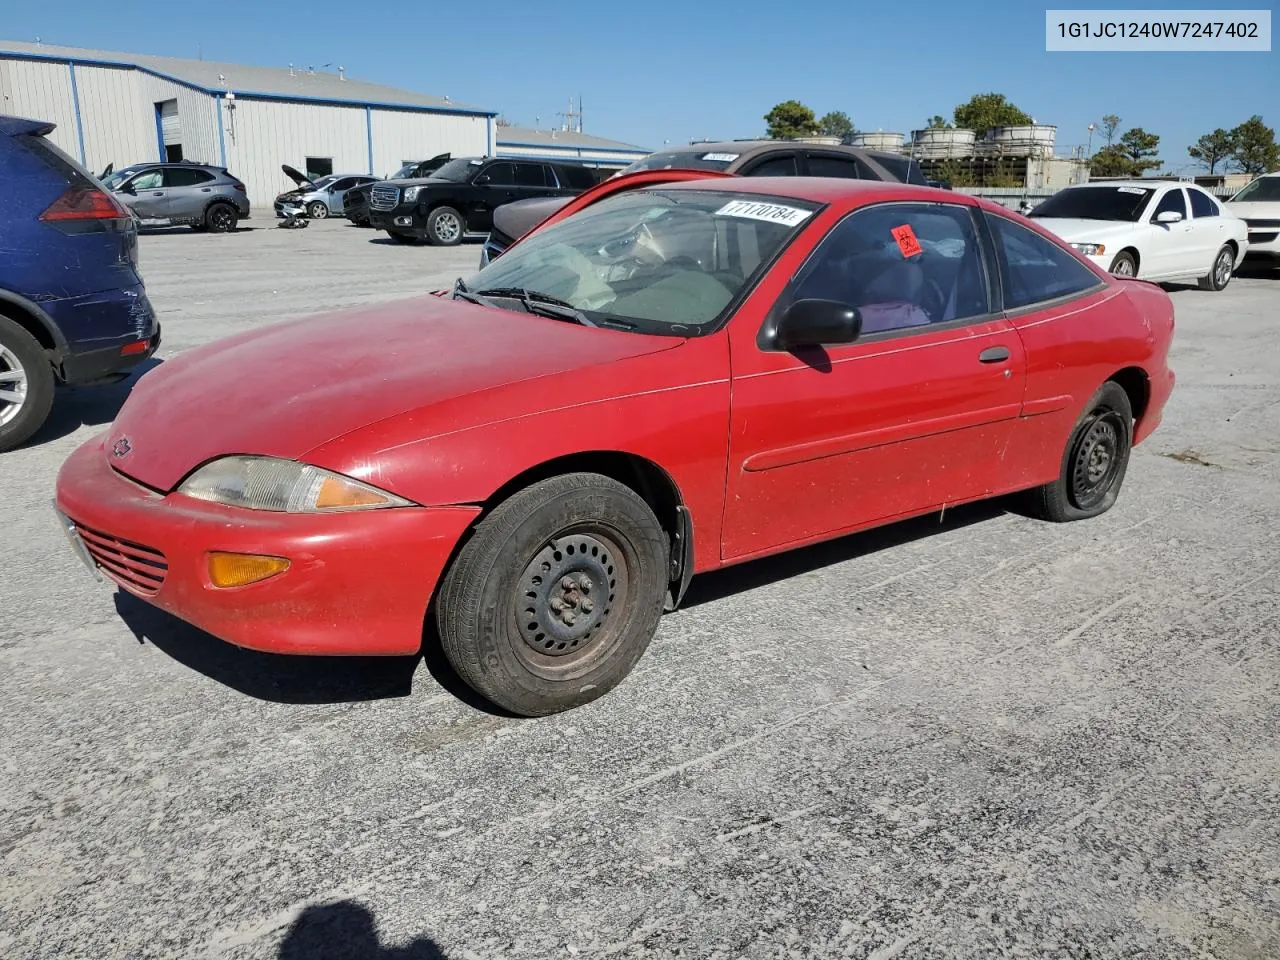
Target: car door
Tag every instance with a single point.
(1167, 247)
(1208, 229)
(145, 194)
(916, 413)
(820, 164)
(188, 192)
(534, 180)
(496, 185)
(337, 191)
(779, 163)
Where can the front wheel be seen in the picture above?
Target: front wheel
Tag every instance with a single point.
(1124, 265)
(26, 385)
(556, 596)
(1094, 462)
(445, 227)
(317, 210)
(1224, 264)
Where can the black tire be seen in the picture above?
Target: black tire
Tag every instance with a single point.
(406, 238)
(445, 227)
(317, 210)
(1124, 265)
(221, 218)
(1101, 441)
(542, 542)
(1224, 265)
(35, 386)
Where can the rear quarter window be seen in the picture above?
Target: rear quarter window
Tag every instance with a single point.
(71, 171)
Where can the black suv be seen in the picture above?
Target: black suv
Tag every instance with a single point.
(459, 198)
(747, 158)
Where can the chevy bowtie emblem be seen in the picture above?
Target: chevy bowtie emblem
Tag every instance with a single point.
(121, 447)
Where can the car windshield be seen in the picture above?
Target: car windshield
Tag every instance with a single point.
(658, 261)
(322, 182)
(683, 160)
(404, 171)
(1260, 191)
(457, 170)
(1096, 203)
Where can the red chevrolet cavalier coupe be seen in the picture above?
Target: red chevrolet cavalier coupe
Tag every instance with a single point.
(664, 381)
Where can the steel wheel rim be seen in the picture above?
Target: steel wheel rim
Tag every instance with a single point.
(1124, 268)
(221, 218)
(1096, 459)
(13, 385)
(570, 601)
(448, 227)
(1222, 269)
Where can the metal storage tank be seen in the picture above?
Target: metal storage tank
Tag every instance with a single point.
(879, 140)
(942, 143)
(1027, 140)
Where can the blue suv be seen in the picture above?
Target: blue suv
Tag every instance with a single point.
(72, 305)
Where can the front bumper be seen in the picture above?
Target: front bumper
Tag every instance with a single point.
(359, 583)
(1264, 239)
(400, 220)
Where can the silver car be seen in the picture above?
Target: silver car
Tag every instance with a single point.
(203, 196)
(318, 198)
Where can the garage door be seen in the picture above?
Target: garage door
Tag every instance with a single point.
(170, 126)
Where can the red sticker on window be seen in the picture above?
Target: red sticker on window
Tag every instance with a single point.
(907, 241)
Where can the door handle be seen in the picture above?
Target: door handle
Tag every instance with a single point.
(994, 355)
(206, 189)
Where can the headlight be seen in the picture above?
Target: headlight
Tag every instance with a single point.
(410, 194)
(266, 483)
(1091, 249)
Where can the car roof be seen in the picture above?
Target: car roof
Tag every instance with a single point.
(749, 148)
(825, 189)
(1142, 184)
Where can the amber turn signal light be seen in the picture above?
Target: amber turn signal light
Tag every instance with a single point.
(239, 569)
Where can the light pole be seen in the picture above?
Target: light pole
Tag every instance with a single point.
(1089, 151)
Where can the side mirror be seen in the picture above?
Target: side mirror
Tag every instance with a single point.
(816, 323)
(128, 188)
(1169, 216)
(483, 179)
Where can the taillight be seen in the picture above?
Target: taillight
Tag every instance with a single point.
(85, 203)
(240, 187)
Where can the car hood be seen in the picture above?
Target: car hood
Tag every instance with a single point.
(301, 179)
(423, 181)
(293, 386)
(1086, 230)
(518, 218)
(1259, 210)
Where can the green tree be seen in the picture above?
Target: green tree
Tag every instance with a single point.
(937, 122)
(1254, 149)
(1142, 149)
(1110, 124)
(984, 110)
(791, 119)
(836, 124)
(1111, 161)
(1213, 148)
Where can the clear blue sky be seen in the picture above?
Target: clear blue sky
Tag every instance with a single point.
(665, 70)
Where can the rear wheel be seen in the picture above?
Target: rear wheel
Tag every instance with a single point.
(26, 385)
(1224, 264)
(1094, 462)
(556, 596)
(317, 210)
(445, 227)
(1124, 265)
(221, 218)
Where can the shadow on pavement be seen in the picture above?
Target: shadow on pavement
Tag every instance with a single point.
(76, 407)
(346, 931)
(758, 573)
(268, 676)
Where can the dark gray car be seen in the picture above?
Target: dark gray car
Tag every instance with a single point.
(201, 196)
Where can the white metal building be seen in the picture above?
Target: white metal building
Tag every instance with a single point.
(567, 145)
(123, 108)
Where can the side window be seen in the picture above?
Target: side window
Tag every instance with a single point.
(531, 175)
(501, 174)
(824, 165)
(902, 265)
(1034, 269)
(1203, 205)
(1172, 200)
(346, 183)
(151, 180)
(780, 165)
(182, 177)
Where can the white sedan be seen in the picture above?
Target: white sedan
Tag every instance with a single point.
(1158, 230)
(1259, 206)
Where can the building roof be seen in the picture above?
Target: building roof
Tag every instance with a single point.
(562, 139)
(279, 83)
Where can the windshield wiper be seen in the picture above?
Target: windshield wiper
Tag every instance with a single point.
(541, 304)
(460, 292)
